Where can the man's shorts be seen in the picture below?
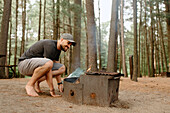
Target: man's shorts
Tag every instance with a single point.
(27, 66)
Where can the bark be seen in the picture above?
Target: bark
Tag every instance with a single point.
(99, 41)
(91, 35)
(4, 35)
(9, 58)
(23, 26)
(84, 15)
(77, 36)
(139, 42)
(157, 49)
(16, 37)
(54, 24)
(167, 6)
(146, 45)
(152, 40)
(162, 63)
(122, 41)
(70, 31)
(120, 46)
(162, 39)
(39, 27)
(135, 60)
(111, 65)
(44, 19)
(142, 57)
(58, 20)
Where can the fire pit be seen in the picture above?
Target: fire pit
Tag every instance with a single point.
(93, 88)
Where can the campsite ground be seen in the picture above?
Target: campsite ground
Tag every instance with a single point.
(148, 95)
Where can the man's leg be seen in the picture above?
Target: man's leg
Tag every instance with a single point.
(56, 73)
(60, 71)
(38, 73)
(37, 84)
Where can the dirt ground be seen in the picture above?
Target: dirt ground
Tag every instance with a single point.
(148, 95)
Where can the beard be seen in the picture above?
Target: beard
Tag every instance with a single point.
(62, 48)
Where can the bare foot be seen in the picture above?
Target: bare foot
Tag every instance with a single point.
(37, 87)
(30, 91)
(53, 94)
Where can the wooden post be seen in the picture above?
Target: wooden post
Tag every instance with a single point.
(131, 65)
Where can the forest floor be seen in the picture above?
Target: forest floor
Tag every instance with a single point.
(148, 95)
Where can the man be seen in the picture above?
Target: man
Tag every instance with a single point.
(41, 61)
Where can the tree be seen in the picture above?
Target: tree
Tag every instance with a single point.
(135, 60)
(39, 27)
(16, 37)
(23, 26)
(99, 39)
(122, 41)
(92, 50)
(44, 19)
(152, 39)
(77, 36)
(9, 58)
(162, 40)
(57, 20)
(111, 65)
(54, 24)
(146, 45)
(4, 35)
(139, 42)
(167, 6)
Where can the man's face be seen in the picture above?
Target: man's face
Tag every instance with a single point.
(65, 45)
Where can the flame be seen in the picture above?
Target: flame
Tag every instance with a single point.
(89, 69)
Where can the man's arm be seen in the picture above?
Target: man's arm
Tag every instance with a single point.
(58, 78)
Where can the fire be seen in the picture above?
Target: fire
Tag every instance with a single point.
(89, 69)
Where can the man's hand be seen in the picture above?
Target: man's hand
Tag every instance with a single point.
(60, 87)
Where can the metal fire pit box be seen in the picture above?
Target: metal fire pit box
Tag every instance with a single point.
(100, 89)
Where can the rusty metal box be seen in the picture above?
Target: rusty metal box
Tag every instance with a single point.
(99, 90)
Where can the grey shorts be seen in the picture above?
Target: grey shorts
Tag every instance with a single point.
(27, 66)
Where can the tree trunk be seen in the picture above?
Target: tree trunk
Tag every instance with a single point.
(54, 23)
(91, 35)
(77, 36)
(157, 50)
(23, 26)
(120, 46)
(111, 65)
(152, 40)
(58, 20)
(9, 58)
(146, 45)
(162, 39)
(135, 67)
(162, 63)
(44, 19)
(70, 31)
(16, 37)
(4, 35)
(84, 15)
(140, 25)
(99, 41)
(39, 27)
(122, 41)
(167, 6)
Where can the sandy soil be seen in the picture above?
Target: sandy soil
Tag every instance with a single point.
(148, 95)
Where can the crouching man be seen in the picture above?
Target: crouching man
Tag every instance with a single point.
(41, 61)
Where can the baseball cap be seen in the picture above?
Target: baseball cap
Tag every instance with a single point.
(68, 37)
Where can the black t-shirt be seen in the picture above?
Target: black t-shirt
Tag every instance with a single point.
(43, 48)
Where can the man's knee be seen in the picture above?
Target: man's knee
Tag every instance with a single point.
(49, 65)
(62, 69)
